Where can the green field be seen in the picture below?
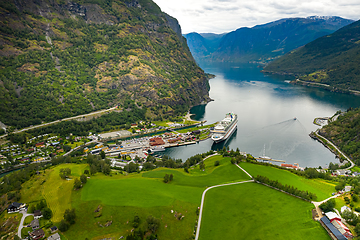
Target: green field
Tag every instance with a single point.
(320, 187)
(120, 197)
(253, 211)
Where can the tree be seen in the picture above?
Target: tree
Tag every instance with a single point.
(357, 229)
(186, 169)
(77, 183)
(106, 169)
(217, 163)
(152, 223)
(102, 154)
(202, 165)
(63, 225)
(328, 206)
(70, 215)
(47, 213)
(86, 172)
(340, 186)
(93, 169)
(171, 177)
(65, 172)
(166, 178)
(136, 221)
(355, 198)
(83, 179)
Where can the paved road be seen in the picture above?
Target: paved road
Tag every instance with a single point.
(57, 121)
(25, 214)
(203, 198)
(352, 164)
(88, 143)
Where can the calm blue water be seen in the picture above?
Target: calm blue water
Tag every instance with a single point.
(266, 107)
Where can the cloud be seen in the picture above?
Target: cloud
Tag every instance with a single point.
(220, 16)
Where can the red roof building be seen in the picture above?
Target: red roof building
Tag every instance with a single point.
(156, 141)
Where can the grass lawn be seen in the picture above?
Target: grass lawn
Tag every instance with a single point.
(321, 188)
(123, 197)
(56, 191)
(253, 211)
(28, 220)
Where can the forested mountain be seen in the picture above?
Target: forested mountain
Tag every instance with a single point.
(333, 60)
(203, 45)
(344, 133)
(265, 42)
(60, 58)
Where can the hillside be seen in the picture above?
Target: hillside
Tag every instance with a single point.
(60, 59)
(344, 133)
(265, 42)
(332, 60)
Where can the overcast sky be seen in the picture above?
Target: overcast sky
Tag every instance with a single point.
(219, 16)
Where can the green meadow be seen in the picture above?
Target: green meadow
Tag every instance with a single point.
(253, 211)
(320, 187)
(115, 200)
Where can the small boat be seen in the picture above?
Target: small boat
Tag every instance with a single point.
(264, 157)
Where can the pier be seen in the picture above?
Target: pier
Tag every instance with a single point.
(269, 159)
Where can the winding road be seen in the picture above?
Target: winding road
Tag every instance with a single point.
(318, 135)
(21, 225)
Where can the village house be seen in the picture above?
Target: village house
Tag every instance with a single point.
(37, 214)
(55, 236)
(16, 207)
(35, 224)
(53, 229)
(35, 235)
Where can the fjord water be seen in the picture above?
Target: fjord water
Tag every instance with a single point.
(266, 108)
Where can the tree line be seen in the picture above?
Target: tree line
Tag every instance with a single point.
(286, 188)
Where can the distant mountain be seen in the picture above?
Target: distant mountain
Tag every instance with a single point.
(203, 44)
(262, 43)
(333, 60)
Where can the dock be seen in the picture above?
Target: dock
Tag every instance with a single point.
(269, 159)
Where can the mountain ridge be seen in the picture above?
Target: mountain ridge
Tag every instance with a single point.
(265, 42)
(330, 60)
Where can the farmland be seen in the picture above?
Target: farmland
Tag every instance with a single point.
(253, 211)
(106, 205)
(320, 187)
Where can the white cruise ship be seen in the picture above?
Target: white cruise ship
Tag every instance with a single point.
(225, 128)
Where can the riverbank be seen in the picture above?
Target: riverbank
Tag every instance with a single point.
(332, 147)
(324, 86)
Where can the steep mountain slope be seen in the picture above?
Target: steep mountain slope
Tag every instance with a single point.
(344, 133)
(332, 60)
(61, 58)
(203, 44)
(266, 42)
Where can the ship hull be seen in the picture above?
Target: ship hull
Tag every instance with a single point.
(227, 135)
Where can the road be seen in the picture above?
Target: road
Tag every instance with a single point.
(24, 215)
(203, 198)
(76, 148)
(57, 121)
(352, 164)
(317, 204)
